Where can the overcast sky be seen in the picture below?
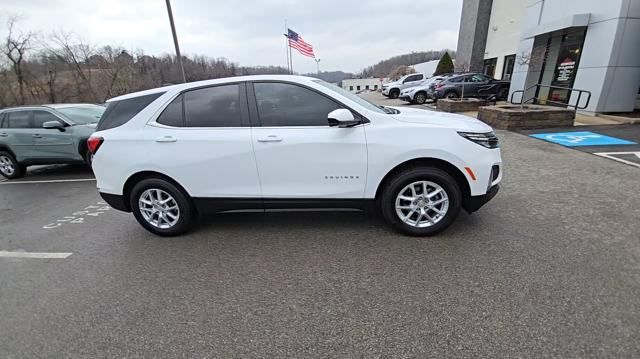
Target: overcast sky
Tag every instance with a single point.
(346, 35)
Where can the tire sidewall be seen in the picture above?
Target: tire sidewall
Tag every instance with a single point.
(394, 93)
(435, 175)
(187, 212)
(420, 96)
(19, 170)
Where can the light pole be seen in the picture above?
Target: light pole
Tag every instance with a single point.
(318, 63)
(175, 41)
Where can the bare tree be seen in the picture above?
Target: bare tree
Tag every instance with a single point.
(463, 67)
(534, 60)
(15, 48)
(77, 55)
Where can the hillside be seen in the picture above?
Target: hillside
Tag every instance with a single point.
(384, 67)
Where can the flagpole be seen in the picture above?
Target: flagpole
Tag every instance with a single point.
(286, 45)
(291, 59)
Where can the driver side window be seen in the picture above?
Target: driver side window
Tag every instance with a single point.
(283, 104)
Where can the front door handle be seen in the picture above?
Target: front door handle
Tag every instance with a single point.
(270, 138)
(36, 136)
(166, 139)
(4, 135)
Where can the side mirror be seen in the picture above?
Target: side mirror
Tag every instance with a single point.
(51, 125)
(342, 118)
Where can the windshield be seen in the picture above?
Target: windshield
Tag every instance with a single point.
(355, 98)
(82, 114)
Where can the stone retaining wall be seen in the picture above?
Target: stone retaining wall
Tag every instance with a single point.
(530, 117)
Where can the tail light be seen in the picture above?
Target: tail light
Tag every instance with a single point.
(439, 86)
(93, 143)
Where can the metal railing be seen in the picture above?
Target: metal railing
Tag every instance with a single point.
(534, 99)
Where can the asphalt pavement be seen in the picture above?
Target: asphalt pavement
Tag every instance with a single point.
(549, 268)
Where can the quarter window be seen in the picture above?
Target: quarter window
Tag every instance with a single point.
(217, 106)
(20, 119)
(172, 114)
(120, 112)
(281, 104)
(40, 117)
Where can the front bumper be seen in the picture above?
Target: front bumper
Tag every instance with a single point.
(405, 98)
(474, 203)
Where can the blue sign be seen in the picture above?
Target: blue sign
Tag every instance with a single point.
(581, 138)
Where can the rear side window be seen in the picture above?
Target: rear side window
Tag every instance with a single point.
(217, 106)
(172, 114)
(20, 119)
(456, 79)
(120, 112)
(2, 116)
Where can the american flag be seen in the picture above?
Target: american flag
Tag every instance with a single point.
(299, 44)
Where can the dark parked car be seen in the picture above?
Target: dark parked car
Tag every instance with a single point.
(475, 85)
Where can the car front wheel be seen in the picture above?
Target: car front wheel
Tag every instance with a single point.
(9, 167)
(420, 98)
(161, 208)
(394, 93)
(421, 201)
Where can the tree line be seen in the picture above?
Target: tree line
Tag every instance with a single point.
(386, 67)
(62, 68)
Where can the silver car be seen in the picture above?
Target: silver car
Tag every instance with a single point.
(50, 134)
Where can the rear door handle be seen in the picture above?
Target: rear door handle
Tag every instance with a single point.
(36, 136)
(270, 138)
(166, 139)
(4, 135)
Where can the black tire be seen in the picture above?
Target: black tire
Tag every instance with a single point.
(403, 179)
(88, 158)
(394, 93)
(187, 213)
(9, 167)
(451, 95)
(420, 98)
(502, 95)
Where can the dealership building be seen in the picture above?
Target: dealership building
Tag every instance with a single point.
(550, 46)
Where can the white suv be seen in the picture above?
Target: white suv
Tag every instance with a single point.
(288, 142)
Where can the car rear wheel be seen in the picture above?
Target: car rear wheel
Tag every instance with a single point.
(161, 208)
(394, 93)
(502, 95)
(420, 98)
(9, 167)
(421, 201)
(451, 95)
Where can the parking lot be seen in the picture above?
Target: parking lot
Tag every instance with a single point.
(550, 268)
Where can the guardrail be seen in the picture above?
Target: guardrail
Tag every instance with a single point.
(534, 99)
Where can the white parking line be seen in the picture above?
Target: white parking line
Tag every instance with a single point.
(38, 255)
(612, 156)
(52, 181)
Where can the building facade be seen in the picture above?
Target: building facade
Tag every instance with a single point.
(356, 85)
(551, 46)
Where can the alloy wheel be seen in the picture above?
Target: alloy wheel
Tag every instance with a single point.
(6, 166)
(422, 204)
(159, 208)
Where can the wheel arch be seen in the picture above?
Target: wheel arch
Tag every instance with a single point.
(449, 168)
(142, 175)
(6, 148)
(82, 145)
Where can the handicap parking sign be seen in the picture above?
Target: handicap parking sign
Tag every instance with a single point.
(581, 138)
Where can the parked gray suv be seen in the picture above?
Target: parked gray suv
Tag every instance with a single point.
(38, 135)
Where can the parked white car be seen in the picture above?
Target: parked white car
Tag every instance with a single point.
(281, 142)
(393, 89)
(418, 94)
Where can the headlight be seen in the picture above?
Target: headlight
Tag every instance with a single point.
(487, 139)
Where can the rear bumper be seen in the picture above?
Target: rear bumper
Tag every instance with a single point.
(474, 203)
(116, 201)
